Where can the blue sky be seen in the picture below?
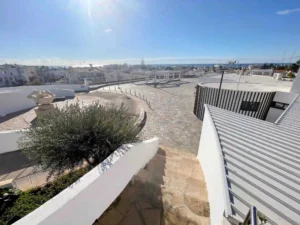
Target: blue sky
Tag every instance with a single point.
(64, 32)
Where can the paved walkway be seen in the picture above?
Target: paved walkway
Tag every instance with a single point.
(172, 118)
(170, 190)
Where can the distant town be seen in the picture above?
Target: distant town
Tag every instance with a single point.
(18, 75)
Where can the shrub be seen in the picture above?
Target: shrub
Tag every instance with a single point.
(76, 134)
(30, 200)
(291, 75)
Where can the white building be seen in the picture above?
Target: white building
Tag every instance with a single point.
(77, 75)
(12, 76)
(57, 73)
(263, 72)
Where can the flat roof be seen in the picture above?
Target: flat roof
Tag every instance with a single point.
(262, 163)
(246, 83)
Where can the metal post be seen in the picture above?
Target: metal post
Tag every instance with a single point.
(253, 215)
(220, 88)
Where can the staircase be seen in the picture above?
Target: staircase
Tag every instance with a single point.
(170, 190)
(176, 182)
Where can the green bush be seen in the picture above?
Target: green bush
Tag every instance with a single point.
(76, 134)
(30, 200)
(291, 75)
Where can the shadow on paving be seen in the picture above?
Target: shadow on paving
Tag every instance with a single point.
(159, 195)
(13, 115)
(12, 161)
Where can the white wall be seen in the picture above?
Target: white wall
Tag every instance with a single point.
(284, 97)
(29, 89)
(273, 114)
(14, 101)
(296, 85)
(209, 155)
(88, 198)
(62, 92)
(9, 141)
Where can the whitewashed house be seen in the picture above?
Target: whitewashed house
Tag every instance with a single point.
(12, 76)
(77, 75)
(262, 72)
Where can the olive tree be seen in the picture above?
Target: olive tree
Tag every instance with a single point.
(76, 134)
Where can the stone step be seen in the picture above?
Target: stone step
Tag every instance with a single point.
(183, 216)
(177, 207)
(193, 188)
(143, 176)
(185, 200)
(165, 158)
(164, 150)
(169, 167)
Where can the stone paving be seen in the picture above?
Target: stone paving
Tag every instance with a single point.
(170, 190)
(172, 118)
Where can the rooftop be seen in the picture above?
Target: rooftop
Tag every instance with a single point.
(261, 161)
(247, 83)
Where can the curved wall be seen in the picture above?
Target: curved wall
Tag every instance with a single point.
(15, 99)
(210, 151)
(85, 200)
(232, 100)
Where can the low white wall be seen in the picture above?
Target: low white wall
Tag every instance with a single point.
(281, 97)
(29, 89)
(210, 157)
(284, 97)
(15, 98)
(14, 101)
(9, 141)
(62, 92)
(296, 84)
(274, 114)
(88, 198)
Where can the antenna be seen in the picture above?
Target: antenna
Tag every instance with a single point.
(283, 57)
(292, 56)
